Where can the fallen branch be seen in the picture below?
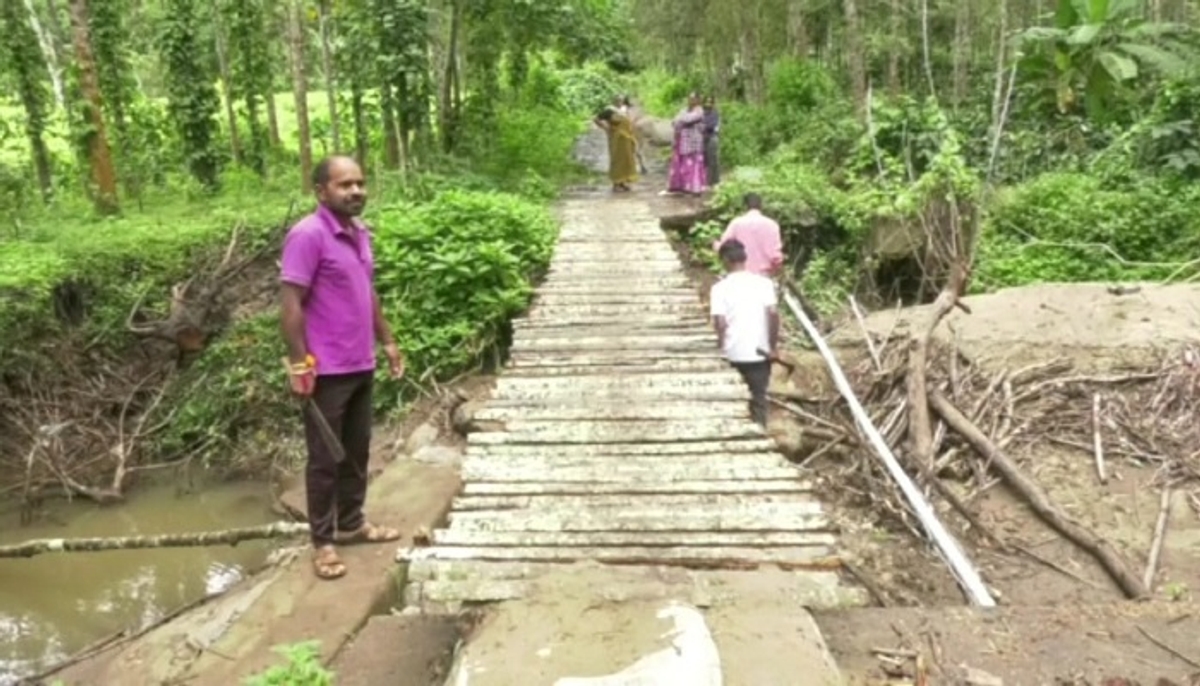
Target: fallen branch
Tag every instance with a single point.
(1097, 444)
(862, 325)
(1167, 647)
(186, 540)
(920, 431)
(961, 567)
(1160, 533)
(1100, 549)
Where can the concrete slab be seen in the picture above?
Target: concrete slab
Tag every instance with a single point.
(563, 630)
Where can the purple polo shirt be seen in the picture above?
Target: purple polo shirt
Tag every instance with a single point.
(338, 270)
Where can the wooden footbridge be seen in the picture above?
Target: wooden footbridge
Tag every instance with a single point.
(617, 435)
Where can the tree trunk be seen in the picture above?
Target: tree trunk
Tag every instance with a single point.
(235, 139)
(797, 29)
(361, 146)
(447, 112)
(854, 55)
(391, 142)
(104, 175)
(48, 42)
(19, 50)
(272, 117)
(300, 91)
(896, 26)
(327, 62)
(962, 48)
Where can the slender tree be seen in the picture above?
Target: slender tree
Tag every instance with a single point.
(19, 49)
(329, 71)
(191, 98)
(103, 173)
(300, 89)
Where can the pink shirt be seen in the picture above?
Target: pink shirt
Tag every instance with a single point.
(760, 234)
(337, 268)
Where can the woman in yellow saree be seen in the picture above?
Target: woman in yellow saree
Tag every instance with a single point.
(622, 148)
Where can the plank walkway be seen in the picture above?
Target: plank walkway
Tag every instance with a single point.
(626, 439)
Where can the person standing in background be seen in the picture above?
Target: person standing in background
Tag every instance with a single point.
(687, 159)
(759, 234)
(712, 142)
(622, 146)
(744, 313)
(331, 322)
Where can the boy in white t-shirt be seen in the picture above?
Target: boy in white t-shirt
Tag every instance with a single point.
(743, 306)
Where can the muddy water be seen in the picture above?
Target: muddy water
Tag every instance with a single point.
(53, 605)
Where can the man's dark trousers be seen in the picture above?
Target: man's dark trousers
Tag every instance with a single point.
(757, 376)
(336, 492)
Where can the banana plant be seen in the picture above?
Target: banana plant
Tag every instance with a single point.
(1096, 50)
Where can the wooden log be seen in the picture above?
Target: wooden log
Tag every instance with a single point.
(184, 540)
(920, 430)
(1097, 547)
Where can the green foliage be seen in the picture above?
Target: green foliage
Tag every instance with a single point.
(1096, 50)
(303, 668)
(453, 271)
(451, 268)
(1070, 227)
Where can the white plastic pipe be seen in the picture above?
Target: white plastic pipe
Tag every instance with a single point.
(966, 574)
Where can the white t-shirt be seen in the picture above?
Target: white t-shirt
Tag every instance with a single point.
(742, 299)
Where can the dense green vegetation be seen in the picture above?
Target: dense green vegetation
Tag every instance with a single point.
(1062, 134)
(1036, 140)
(126, 177)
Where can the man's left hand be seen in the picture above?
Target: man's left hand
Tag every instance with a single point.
(395, 361)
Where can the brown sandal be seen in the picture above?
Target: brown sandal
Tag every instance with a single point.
(369, 533)
(327, 564)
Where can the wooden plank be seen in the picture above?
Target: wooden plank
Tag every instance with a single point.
(721, 380)
(683, 366)
(662, 431)
(752, 445)
(569, 396)
(795, 558)
(791, 517)
(595, 500)
(609, 357)
(569, 488)
(670, 410)
(705, 341)
(454, 537)
(615, 473)
(483, 469)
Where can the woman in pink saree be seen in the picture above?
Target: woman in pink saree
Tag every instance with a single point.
(687, 173)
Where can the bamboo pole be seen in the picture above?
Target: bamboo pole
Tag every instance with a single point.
(966, 574)
(185, 540)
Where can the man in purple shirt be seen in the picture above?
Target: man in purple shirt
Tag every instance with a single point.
(331, 320)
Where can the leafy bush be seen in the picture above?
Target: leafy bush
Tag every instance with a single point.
(1070, 227)
(450, 272)
(303, 668)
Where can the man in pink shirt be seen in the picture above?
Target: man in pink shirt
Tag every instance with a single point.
(760, 236)
(331, 322)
